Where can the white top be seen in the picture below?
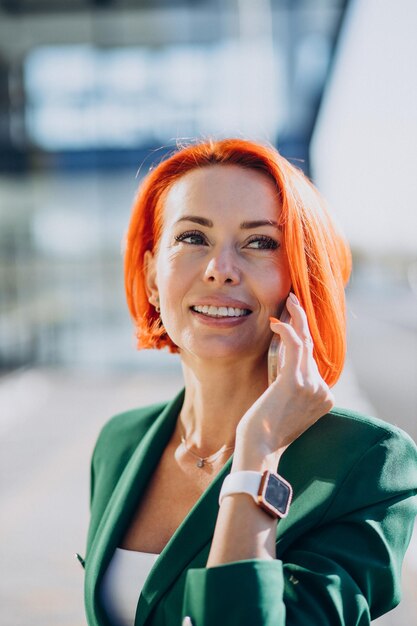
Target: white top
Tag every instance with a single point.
(122, 583)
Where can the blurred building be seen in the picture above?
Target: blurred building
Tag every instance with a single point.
(92, 93)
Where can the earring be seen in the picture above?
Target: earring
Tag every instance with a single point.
(158, 310)
(156, 305)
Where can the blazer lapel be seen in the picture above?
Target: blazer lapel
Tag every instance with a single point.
(123, 503)
(191, 536)
(195, 531)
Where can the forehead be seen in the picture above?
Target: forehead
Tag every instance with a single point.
(223, 190)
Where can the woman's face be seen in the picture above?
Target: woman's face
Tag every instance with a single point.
(220, 248)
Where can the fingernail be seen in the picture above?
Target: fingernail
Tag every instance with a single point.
(293, 298)
(274, 320)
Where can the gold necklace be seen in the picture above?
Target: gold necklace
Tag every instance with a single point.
(201, 461)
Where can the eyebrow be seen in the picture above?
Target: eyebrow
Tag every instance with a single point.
(205, 222)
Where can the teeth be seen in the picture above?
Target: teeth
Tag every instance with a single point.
(220, 311)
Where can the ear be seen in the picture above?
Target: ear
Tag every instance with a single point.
(149, 269)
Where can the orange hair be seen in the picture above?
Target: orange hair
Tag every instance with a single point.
(319, 257)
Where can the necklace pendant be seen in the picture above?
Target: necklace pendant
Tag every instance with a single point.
(200, 463)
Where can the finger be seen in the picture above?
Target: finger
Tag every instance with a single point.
(299, 319)
(292, 344)
(300, 325)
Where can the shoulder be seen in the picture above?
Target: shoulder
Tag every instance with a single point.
(383, 452)
(364, 438)
(382, 447)
(131, 422)
(346, 451)
(364, 423)
(355, 433)
(115, 445)
(122, 432)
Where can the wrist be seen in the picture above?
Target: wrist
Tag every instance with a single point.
(257, 459)
(270, 492)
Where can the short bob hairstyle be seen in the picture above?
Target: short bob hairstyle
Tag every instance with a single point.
(318, 255)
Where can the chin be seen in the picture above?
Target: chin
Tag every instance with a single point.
(219, 348)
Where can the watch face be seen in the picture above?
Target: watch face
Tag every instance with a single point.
(277, 493)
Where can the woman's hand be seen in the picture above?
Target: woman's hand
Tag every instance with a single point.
(291, 404)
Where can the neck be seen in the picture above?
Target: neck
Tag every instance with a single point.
(217, 395)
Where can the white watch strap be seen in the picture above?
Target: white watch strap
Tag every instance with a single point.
(241, 482)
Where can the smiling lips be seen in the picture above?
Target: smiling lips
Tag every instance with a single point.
(220, 311)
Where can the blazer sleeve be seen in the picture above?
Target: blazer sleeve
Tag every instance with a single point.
(344, 571)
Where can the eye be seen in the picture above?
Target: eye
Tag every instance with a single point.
(263, 243)
(194, 237)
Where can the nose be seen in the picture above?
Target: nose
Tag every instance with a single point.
(222, 268)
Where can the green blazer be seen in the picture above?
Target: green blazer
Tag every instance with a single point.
(338, 553)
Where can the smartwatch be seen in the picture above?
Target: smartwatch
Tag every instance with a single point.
(270, 491)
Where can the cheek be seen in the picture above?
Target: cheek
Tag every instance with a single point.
(174, 276)
(274, 281)
(283, 270)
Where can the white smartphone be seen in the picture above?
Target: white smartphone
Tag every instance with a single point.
(276, 352)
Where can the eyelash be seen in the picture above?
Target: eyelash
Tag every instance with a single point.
(271, 243)
(188, 233)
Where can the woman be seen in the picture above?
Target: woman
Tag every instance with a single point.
(225, 236)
